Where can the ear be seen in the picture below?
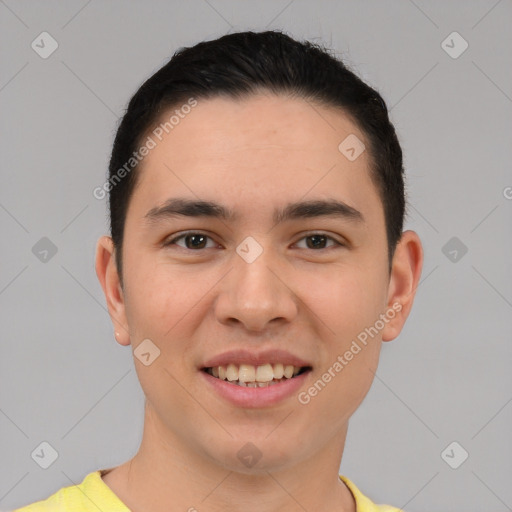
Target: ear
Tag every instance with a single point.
(404, 279)
(106, 270)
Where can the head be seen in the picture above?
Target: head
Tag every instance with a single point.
(244, 126)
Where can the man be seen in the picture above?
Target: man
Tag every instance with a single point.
(256, 262)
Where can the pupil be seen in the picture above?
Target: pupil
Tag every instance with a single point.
(322, 237)
(318, 240)
(189, 237)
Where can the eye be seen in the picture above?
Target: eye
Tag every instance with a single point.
(193, 240)
(318, 241)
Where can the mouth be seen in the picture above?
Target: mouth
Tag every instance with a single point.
(251, 376)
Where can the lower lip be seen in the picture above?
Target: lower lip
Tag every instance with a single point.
(256, 397)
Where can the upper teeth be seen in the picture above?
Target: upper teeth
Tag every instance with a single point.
(250, 373)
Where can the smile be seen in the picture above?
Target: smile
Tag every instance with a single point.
(248, 375)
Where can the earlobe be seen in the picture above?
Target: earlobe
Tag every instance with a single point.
(405, 275)
(107, 273)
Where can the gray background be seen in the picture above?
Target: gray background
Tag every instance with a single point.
(446, 378)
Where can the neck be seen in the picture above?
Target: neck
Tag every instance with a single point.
(166, 472)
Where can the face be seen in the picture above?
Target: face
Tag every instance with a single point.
(268, 284)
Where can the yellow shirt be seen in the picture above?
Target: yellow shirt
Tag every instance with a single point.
(94, 494)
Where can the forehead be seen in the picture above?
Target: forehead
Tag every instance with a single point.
(260, 120)
(255, 151)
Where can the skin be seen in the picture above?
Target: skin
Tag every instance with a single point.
(252, 156)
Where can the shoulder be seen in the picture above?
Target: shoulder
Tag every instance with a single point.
(55, 503)
(363, 503)
(86, 496)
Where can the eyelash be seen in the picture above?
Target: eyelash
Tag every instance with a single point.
(188, 233)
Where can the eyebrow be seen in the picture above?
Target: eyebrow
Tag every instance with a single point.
(181, 207)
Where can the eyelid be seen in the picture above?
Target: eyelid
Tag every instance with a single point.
(171, 241)
(326, 235)
(179, 236)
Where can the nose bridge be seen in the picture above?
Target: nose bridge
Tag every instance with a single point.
(254, 294)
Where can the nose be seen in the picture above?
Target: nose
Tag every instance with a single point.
(256, 295)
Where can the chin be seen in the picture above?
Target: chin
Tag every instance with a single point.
(253, 455)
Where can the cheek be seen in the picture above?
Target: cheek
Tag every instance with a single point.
(335, 394)
(349, 306)
(347, 371)
(347, 298)
(156, 299)
(166, 304)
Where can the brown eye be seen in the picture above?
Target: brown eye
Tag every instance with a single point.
(319, 241)
(197, 241)
(192, 241)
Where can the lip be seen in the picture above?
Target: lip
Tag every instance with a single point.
(253, 398)
(241, 356)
